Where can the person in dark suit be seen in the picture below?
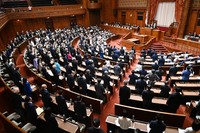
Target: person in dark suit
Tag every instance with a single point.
(51, 121)
(79, 59)
(157, 125)
(140, 85)
(70, 81)
(143, 71)
(100, 91)
(172, 71)
(74, 64)
(46, 99)
(27, 87)
(161, 61)
(80, 110)
(147, 96)
(132, 78)
(124, 93)
(82, 84)
(175, 100)
(160, 73)
(96, 127)
(106, 80)
(55, 75)
(16, 77)
(126, 58)
(17, 101)
(30, 110)
(164, 90)
(61, 102)
(155, 66)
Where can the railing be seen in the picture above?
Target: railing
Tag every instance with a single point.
(178, 44)
(47, 11)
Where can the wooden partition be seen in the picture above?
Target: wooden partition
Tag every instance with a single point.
(3, 20)
(171, 119)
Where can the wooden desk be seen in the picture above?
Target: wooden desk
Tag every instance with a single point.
(188, 85)
(171, 119)
(192, 79)
(111, 121)
(67, 126)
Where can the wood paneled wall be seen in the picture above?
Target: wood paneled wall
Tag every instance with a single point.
(131, 16)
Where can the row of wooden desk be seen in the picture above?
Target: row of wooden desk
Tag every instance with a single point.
(142, 126)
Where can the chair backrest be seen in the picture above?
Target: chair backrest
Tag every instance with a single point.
(9, 126)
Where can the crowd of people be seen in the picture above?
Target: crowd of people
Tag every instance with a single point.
(51, 52)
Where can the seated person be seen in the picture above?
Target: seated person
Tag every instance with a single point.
(96, 127)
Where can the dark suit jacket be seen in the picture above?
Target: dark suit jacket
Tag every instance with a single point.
(147, 96)
(140, 85)
(46, 99)
(31, 112)
(95, 130)
(172, 71)
(82, 83)
(174, 102)
(62, 106)
(157, 126)
(124, 94)
(80, 110)
(51, 124)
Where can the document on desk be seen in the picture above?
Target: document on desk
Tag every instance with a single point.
(39, 110)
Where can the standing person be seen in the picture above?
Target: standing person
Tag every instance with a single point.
(172, 71)
(17, 101)
(30, 110)
(186, 74)
(140, 85)
(147, 96)
(175, 100)
(96, 127)
(80, 110)
(27, 87)
(132, 78)
(62, 106)
(164, 90)
(106, 80)
(82, 84)
(51, 121)
(46, 99)
(100, 91)
(124, 93)
(124, 122)
(157, 125)
(160, 73)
